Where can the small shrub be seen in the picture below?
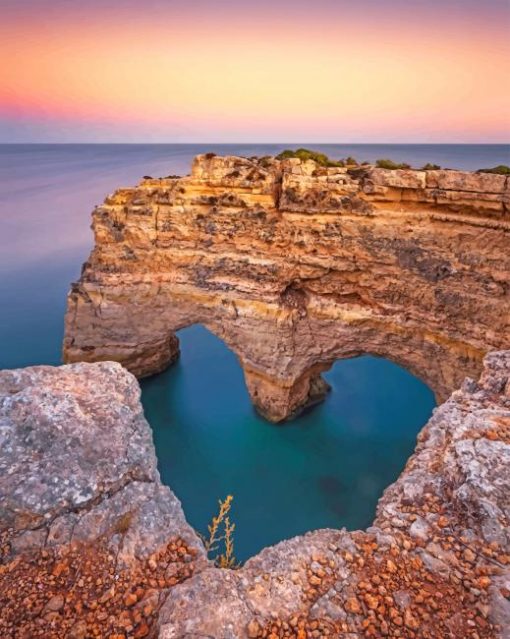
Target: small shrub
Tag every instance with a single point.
(350, 161)
(148, 177)
(284, 155)
(217, 536)
(501, 169)
(430, 167)
(305, 154)
(389, 164)
(210, 156)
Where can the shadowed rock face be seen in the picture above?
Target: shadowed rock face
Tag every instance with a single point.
(294, 266)
(92, 545)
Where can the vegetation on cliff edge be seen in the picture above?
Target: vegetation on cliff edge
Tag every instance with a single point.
(501, 169)
(385, 163)
(305, 154)
(221, 533)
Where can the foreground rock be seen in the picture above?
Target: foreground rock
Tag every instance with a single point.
(435, 564)
(93, 545)
(294, 266)
(90, 539)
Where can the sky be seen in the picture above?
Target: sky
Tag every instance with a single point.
(255, 71)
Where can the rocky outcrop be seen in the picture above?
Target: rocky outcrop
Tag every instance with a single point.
(90, 539)
(94, 546)
(295, 265)
(435, 563)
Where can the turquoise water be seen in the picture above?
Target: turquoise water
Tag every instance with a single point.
(325, 469)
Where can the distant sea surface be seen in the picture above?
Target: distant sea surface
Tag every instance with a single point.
(325, 469)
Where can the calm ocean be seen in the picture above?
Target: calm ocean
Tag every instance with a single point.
(325, 469)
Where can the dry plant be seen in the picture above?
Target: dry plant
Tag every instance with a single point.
(221, 532)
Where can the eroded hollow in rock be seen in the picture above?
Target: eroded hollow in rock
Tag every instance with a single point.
(326, 468)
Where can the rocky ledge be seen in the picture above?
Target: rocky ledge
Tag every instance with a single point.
(295, 265)
(90, 540)
(94, 546)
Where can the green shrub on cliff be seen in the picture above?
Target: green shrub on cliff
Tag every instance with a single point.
(305, 154)
(389, 164)
(501, 169)
(430, 167)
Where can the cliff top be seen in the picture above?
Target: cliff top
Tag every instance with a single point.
(318, 164)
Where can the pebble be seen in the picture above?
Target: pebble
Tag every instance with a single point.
(55, 604)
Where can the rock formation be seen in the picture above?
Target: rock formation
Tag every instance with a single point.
(90, 540)
(94, 546)
(295, 265)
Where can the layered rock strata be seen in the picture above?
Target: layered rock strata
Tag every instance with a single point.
(294, 266)
(94, 546)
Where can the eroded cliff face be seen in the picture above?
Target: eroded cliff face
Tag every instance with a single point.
(294, 266)
(92, 545)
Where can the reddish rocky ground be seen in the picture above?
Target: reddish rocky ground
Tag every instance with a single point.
(396, 596)
(81, 592)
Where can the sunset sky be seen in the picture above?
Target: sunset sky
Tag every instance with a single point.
(261, 70)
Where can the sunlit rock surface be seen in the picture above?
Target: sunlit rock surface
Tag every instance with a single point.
(294, 266)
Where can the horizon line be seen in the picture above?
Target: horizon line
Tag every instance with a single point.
(506, 143)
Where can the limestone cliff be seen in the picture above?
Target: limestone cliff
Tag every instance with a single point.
(294, 265)
(92, 545)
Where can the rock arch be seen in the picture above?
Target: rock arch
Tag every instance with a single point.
(295, 266)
